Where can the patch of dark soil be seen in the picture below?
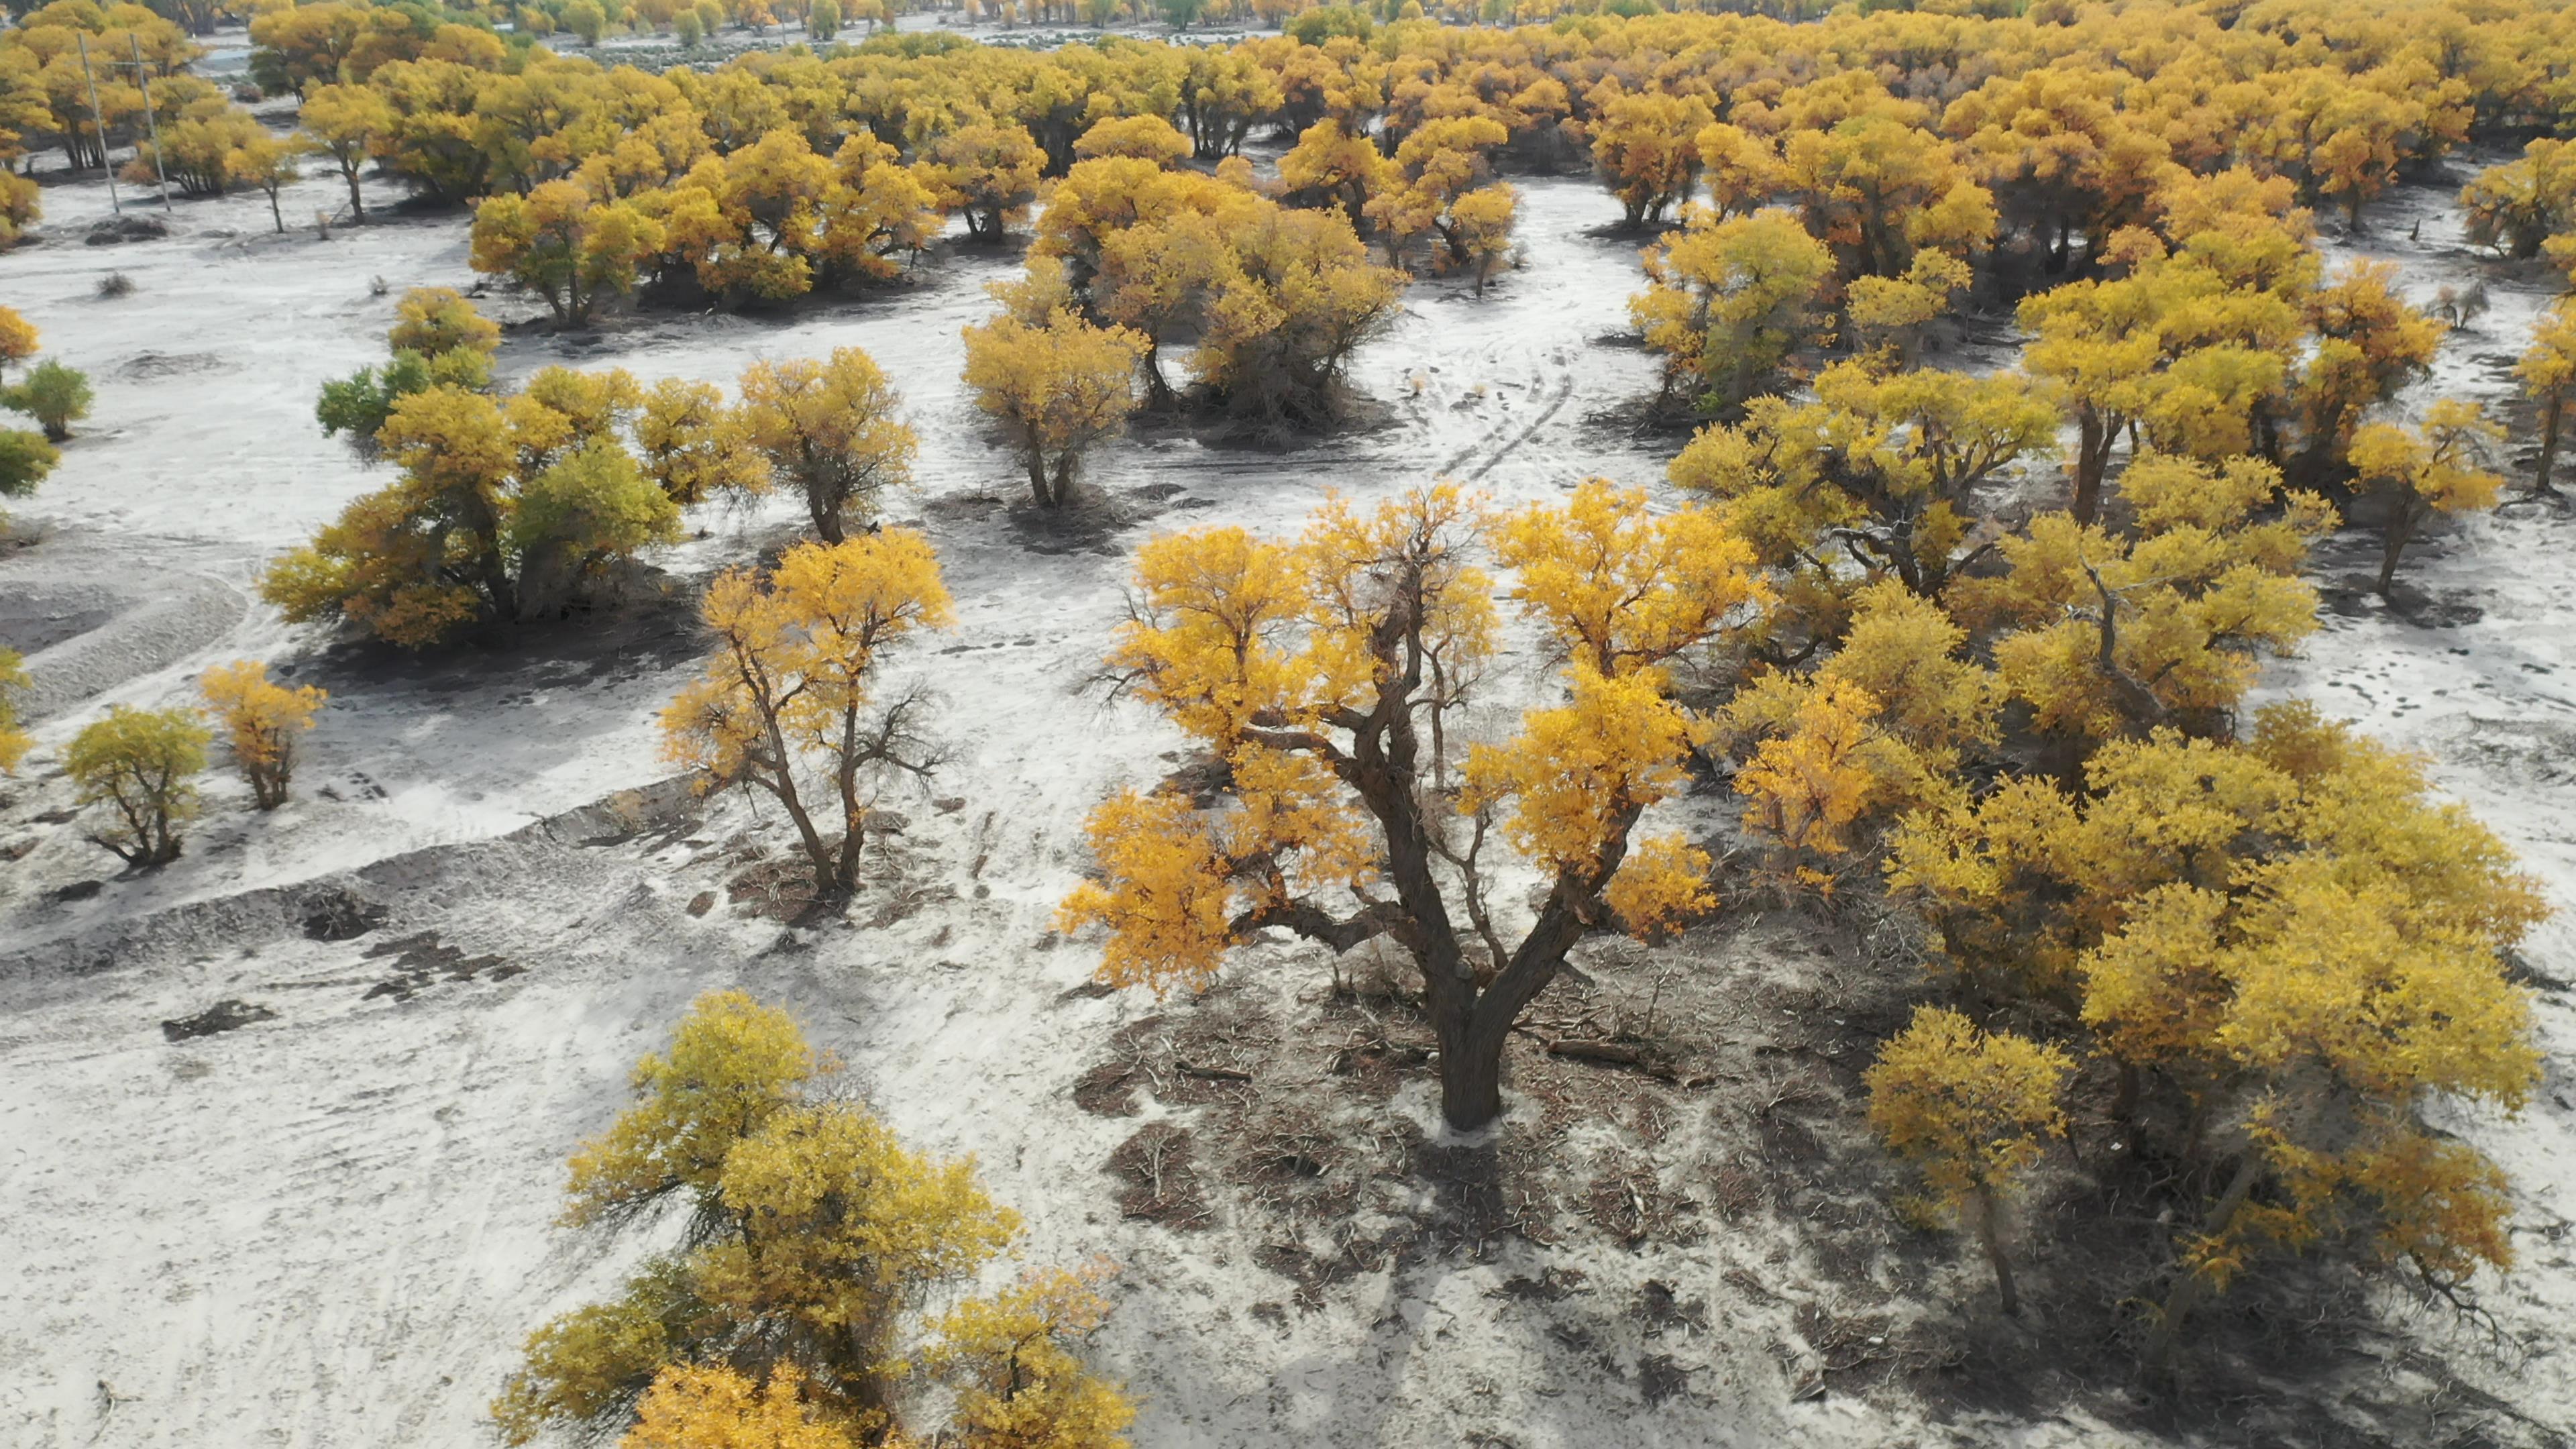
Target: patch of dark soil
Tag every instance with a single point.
(780, 887)
(647, 625)
(1088, 523)
(79, 890)
(337, 915)
(1161, 1173)
(1661, 1308)
(1552, 1285)
(118, 230)
(1200, 777)
(1108, 1090)
(152, 366)
(423, 960)
(1853, 1350)
(221, 1017)
(1630, 1203)
(1660, 1377)
(780, 884)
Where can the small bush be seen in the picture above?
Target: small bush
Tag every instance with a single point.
(115, 285)
(54, 395)
(25, 460)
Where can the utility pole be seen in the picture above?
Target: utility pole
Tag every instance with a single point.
(99, 119)
(143, 79)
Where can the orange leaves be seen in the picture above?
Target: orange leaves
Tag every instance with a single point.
(793, 676)
(1731, 298)
(2438, 462)
(1624, 589)
(1212, 642)
(1807, 786)
(1057, 384)
(1304, 666)
(1162, 895)
(260, 720)
(709, 1406)
(2289, 930)
(1968, 1107)
(1578, 775)
(1643, 146)
(829, 428)
(1295, 821)
(1661, 887)
(797, 648)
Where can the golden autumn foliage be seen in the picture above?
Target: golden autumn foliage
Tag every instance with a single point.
(792, 680)
(791, 1317)
(435, 321)
(2165, 622)
(1731, 298)
(507, 510)
(1623, 588)
(696, 448)
(1644, 147)
(566, 244)
(2435, 469)
(2288, 939)
(709, 1406)
(142, 766)
(1879, 469)
(18, 339)
(1010, 1359)
(1970, 1109)
(1881, 727)
(733, 1063)
(2548, 374)
(260, 720)
(1055, 384)
(829, 430)
(987, 172)
(15, 743)
(1316, 668)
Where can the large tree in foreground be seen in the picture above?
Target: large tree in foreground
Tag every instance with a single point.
(1320, 671)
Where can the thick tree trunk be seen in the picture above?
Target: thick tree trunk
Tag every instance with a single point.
(2401, 531)
(1471, 1074)
(2092, 460)
(2550, 418)
(824, 507)
(2193, 1286)
(1990, 1237)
